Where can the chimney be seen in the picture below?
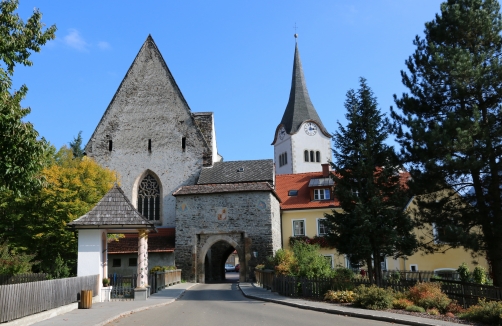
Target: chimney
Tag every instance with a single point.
(325, 170)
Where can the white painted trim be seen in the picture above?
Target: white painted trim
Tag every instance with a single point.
(317, 226)
(304, 226)
(332, 259)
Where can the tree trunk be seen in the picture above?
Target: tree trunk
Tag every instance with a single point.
(378, 271)
(370, 269)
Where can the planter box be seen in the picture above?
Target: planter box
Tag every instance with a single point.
(105, 294)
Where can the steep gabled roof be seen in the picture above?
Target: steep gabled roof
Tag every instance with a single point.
(299, 108)
(148, 50)
(113, 210)
(238, 171)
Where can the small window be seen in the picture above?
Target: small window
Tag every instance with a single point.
(321, 194)
(414, 267)
(318, 156)
(329, 258)
(116, 262)
(306, 154)
(183, 143)
(298, 228)
(241, 169)
(312, 156)
(110, 145)
(133, 262)
(283, 159)
(149, 145)
(293, 193)
(321, 227)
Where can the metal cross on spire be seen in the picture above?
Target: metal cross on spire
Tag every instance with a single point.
(296, 35)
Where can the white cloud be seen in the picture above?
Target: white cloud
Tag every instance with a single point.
(104, 45)
(74, 40)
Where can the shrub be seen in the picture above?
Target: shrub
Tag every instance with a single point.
(401, 303)
(463, 273)
(400, 295)
(479, 275)
(162, 269)
(415, 309)
(429, 295)
(284, 262)
(433, 312)
(309, 261)
(340, 296)
(373, 297)
(454, 308)
(489, 312)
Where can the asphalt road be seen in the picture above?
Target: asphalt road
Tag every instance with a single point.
(223, 304)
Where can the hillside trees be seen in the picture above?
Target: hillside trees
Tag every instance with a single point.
(450, 128)
(36, 223)
(372, 223)
(22, 154)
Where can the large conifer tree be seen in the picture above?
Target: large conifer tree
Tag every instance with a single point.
(453, 127)
(368, 185)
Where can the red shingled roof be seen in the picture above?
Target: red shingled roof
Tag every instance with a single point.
(300, 182)
(162, 241)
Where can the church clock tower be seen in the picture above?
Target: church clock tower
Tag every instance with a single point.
(301, 143)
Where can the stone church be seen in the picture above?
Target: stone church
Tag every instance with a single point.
(203, 208)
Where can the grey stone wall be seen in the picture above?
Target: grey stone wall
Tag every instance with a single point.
(250, 219)
(149, 106)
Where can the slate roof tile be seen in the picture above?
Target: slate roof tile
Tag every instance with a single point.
(238, 171)
(224, 188)
(113, 209)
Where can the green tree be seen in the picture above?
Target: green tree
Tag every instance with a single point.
(12, 262)
(36, 223)
(450, 128)
(76, 146)
(372, 223)
(22, 154)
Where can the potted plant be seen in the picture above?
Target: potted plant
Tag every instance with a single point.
(106, 290)
(106, 282)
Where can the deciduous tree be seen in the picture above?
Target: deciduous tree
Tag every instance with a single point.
(21, 152)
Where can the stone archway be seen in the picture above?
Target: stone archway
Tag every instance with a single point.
(209, 242)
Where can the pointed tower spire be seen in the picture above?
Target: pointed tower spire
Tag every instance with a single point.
(299, 108)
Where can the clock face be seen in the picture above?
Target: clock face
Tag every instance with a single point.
(310, 128)
(282, 133)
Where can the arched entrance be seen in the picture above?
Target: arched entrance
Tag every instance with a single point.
(213, 255)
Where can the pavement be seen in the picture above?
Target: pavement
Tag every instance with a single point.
(105, 312)
(102, 313)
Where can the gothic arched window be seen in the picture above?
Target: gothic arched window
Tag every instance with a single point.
(149, 198)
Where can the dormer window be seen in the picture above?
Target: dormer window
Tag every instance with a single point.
(293, 193)
(321, 194)
(240, 169)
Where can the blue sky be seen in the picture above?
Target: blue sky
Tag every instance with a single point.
(233, 58)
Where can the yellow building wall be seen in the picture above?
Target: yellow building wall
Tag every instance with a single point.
(451, 259)
(310, 216)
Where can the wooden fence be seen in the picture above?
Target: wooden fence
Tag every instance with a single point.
(21, 300)
(466, 294)
(165, 279)
(22, 278)
(123, 286)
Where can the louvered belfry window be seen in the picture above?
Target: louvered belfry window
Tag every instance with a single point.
(149, 198)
